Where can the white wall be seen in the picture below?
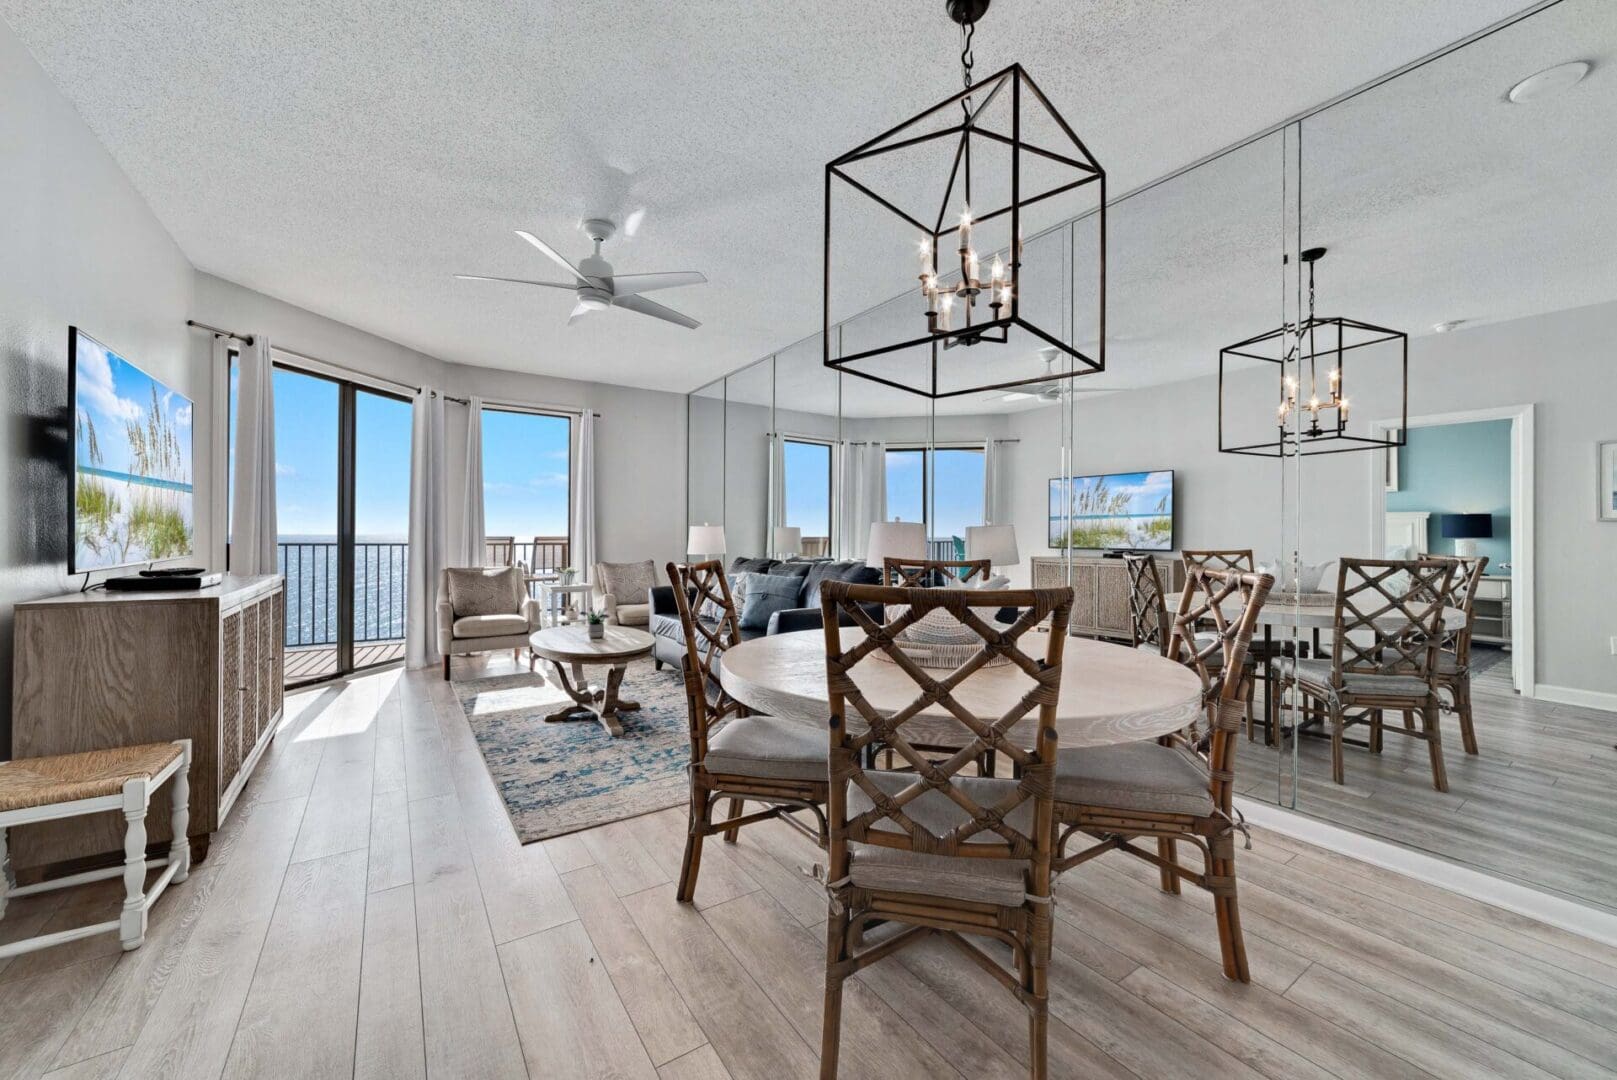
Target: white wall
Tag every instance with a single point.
(81, 248)
(1561, 363)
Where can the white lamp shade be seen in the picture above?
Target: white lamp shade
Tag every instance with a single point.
(706, 540)
(895, 540)
(996, 543)
(788, 539)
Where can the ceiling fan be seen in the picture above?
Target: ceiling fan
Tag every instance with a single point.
(1053, 389)
(598, 288)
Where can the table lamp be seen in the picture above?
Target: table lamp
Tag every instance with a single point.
(1465, 530)
(788, 540)
(706, 540)
(895, 540)
(996, 543)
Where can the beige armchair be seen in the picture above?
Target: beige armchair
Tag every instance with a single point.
(484, 609)
(622, 591)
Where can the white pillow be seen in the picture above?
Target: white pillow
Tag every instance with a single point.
(999, 581)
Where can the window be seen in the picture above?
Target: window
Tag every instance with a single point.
(943, 488)
(808, 493)
(906, 485)
(527, 488)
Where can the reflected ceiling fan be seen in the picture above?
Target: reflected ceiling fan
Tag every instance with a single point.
(598, 288)
(1054, 388)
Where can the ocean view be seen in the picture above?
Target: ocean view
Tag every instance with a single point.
(309, 564)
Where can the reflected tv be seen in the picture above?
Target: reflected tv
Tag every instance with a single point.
(1127, 511)
(130, 497)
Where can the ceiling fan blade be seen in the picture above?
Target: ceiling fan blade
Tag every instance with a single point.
(655, 310)
(555, 255)
(634, 284)
(580, 310)
(518, 281)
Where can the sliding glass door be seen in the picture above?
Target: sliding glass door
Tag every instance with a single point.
(342, 498)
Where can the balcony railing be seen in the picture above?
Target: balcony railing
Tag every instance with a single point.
(310, 570)
(380, 573)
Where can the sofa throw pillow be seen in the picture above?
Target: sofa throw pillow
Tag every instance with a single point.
(767, 594)
(630, 582)
(711, 611)
(743, 565)
(483, 590)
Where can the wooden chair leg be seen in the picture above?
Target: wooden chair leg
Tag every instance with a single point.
(1430, 716)
(700, 815)
(1338, 773)
(446, 667)
(1462, 708)
(1035, 981)
(1409, 720)
(1168, 850)
(736, 806)
(1375, 731)
(836, 957)
(1228, 912)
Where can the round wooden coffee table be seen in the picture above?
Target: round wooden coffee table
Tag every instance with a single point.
(572, 646)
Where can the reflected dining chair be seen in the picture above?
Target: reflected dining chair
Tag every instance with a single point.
(1454, 654)
(930, 849)
(1386, 633)
(1180, 787)
(1151, 625)
(918, 573)
(735, 755)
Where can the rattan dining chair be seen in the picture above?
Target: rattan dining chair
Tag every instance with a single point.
(1151, 625)
(931, 849)
(735, 755)
(1385, 639)
(919, 573)
(1180, 787)
(1454, 654)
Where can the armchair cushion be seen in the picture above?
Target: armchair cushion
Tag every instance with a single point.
(631, 614)
(484, 590)
(482, 626)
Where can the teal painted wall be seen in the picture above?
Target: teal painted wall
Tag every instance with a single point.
(1458, 469)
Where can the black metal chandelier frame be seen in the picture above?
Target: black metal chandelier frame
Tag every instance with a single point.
(996, 329)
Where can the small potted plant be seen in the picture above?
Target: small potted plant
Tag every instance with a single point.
(596, 622)
(567, 573)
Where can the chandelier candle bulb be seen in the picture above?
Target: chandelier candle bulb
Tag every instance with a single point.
(996, 273)
(946, 304)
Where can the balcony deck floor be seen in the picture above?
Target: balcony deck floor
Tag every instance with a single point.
(319, 661)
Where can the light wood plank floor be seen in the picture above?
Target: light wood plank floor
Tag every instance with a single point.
(367, 912)
(1537, 803)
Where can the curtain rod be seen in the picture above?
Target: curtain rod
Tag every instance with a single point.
(523, 406)
(946, 444)
(245, 339)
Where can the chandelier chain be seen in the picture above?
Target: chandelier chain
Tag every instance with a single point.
(967, 59)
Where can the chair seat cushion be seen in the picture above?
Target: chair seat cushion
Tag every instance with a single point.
(1135, 776)
(482, 626)
(92, 774)
(768, 748)
(1316, 675)
(1449, 664)
(632, 614)
(981, 880)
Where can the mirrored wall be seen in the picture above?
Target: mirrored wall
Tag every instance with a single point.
(1476, 226)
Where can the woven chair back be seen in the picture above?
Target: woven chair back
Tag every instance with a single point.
(1148, 612)
(1238, 559)
(922, 573)
(1387, 623)
(696, 584)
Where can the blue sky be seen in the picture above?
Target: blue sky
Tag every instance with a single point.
(808, 487)
(1145, 489)
(525, 465)
(957, 489)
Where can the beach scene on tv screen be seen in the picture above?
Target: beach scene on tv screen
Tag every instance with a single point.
(1118, 510)
(132, 490)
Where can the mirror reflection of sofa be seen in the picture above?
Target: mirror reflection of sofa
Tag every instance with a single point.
(801, 613)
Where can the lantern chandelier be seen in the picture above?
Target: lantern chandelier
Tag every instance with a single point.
(1005, 150)
(1301, 349)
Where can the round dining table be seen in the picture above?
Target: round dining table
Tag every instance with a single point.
(1110, 694)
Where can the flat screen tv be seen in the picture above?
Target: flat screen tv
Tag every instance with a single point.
(130, 498)
(1131, 511)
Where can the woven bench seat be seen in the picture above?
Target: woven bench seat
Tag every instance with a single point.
(45, 781)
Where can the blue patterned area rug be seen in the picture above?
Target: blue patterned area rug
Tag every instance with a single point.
(563, 777)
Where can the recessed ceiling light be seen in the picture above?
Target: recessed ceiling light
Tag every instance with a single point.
(1549, 82)
(1445, 327)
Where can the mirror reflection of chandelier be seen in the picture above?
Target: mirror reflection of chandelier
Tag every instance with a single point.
(993, 149)
(1311, 355)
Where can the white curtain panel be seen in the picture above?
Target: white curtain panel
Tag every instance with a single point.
(990, 479)
(864, 490)
(777, 484)
(252, 525)
(429, 529)
(583, 553)
(468, 547)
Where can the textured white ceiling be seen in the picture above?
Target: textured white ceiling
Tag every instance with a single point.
(348, 158)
